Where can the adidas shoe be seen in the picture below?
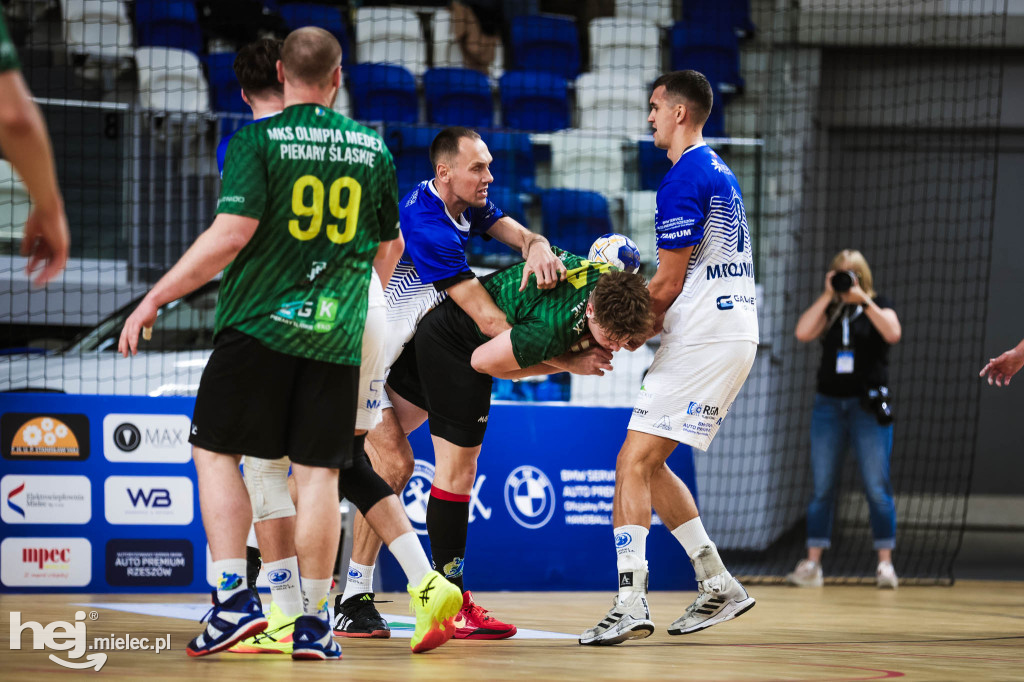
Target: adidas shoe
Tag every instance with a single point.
(435, 602)
(314, 641)
(472, 622)
(720, 596)
(629, 619)
(358, 617)
(885, 576)
(806, 574)
(234, 620)
(276, 639)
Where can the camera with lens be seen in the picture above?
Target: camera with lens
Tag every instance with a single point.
(842, 280)
(876, 401)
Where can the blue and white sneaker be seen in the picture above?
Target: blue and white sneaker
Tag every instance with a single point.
(228, 623)
(313, 640)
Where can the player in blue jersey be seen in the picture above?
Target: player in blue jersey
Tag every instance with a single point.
(703, 298)
(437, 219)
(256, 70)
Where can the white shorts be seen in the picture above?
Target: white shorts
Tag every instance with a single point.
(689, 390)
(374, 360)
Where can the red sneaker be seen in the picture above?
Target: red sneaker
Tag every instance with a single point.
(473, 622)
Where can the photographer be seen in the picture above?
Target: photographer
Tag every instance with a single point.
(851, 409)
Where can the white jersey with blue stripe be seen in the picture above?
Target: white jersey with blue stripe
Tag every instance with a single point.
(700, 204)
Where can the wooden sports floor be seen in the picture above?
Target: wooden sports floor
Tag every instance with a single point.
(971, 631)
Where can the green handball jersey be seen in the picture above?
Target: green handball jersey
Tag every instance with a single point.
(324, 191)
(545, 322)
(8, 55)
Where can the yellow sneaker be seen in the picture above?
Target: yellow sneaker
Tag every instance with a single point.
(276, 639)
(435, 602)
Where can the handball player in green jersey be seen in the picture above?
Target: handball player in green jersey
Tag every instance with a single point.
(307, 202)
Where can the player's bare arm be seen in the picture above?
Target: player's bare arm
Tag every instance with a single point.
(668, 281)
(212, 252)
(472, 297)
(388, 255)
(536, 250)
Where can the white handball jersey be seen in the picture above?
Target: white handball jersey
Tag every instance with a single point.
(700, 204)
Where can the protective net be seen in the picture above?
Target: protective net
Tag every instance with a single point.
(848, 123)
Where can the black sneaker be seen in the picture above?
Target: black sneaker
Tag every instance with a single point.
(358, 617)
(253, 564)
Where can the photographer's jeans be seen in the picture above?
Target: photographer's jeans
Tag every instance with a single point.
(836, 425)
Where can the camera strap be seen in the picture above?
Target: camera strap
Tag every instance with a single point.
(848, 316)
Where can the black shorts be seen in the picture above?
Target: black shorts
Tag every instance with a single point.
(434, 373)
(258, 402)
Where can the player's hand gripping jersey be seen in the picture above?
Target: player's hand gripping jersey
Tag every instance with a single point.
(700, 204)
(323, 188)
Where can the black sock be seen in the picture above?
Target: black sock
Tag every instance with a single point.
(447, 526)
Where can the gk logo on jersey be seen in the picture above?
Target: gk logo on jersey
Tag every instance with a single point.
(326, 313)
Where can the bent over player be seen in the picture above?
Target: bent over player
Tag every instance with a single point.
(703, 297)
(307, 199)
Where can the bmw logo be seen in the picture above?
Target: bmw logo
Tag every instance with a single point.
(278, 576)
(529, 497)
(127, 437)
(417, 494)
(623, 539)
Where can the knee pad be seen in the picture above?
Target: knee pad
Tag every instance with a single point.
(361, 485)
(267, 483)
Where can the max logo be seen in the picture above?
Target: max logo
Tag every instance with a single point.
(157, 498)
(724, 302)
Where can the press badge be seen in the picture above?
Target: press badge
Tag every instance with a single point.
(844, 361)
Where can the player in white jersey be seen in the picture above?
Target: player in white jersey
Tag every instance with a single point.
(703, 297)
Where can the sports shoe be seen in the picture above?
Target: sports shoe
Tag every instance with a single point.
(276, 639)
(885, 576)
(806, 574)
(435, 602)
(627, 619)
(358, 617)
(472, 622)
(313, 640)
(237, 618)
(720, 597)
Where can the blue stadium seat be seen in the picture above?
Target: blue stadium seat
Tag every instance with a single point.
(458, 97)
(513, 165)
(410, 146)
(533, 100)
(328, 18)
(654, 163)
(382, 92)
(491, 251)
(220, 74)
(545, 43)
(731, 14)
(168, 23)
(713, 52)
(574, 218)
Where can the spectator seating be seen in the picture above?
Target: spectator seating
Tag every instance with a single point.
(491, 251)
(640, 209)
(171, 80)
(654, 163)
(330, 19)
(237, 22)
(656, 11)
(631, 45)
(392, 35)
(532, 100)
(583, 159)
(613, 102)
(574, 218)
(545, 43)
(410, 146)
(457, 96)
(731, 14)
(513, 165)
(226, 92)
(382, 92)
(15, 203)
(713, 52)
(446, 52)
(168, 23)
(99, 29)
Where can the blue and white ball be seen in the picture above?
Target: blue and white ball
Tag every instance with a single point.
(617, 250)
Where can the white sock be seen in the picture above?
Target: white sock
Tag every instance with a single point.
(409, 553)
(314, 596)
(230, 577)
(631, 548)
(692, 536)
(284, 585)
(359, 580)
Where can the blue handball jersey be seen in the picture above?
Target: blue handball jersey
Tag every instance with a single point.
(700, 204)
(435, 241)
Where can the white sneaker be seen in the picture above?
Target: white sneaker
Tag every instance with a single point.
(629, 619)
(806, 574)
(720, 597)
(885, 576)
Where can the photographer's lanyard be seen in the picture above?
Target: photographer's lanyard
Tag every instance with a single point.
(844, 356)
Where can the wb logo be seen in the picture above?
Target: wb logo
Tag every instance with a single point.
(156, 498)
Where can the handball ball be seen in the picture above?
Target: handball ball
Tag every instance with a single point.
(617, 250)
